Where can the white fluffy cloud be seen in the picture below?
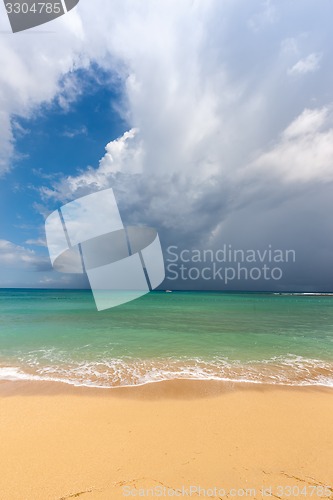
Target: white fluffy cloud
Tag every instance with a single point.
(123, 155)
(208, 120)
(304, 151)
(308, 64)
(16, 256)
(201, 100)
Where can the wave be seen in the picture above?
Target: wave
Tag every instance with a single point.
(290, 370)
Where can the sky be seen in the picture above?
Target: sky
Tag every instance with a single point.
(211, 120)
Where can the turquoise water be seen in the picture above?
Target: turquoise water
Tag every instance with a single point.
(59, 335)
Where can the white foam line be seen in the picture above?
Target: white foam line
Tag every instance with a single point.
(14, 374)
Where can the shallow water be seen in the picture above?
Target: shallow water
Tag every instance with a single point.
(263, 338)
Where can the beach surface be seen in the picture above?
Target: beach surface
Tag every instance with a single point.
(161, 439)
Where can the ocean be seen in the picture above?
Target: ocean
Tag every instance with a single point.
(58, 335)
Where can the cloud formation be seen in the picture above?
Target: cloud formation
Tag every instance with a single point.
(304, 151)
(16, 256)
(308, 64)
(221, 131)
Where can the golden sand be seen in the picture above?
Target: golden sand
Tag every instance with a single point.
(58, 442)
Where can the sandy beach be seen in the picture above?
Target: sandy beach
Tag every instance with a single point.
(60, 442)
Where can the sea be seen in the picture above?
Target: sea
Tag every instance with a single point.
(261, 338)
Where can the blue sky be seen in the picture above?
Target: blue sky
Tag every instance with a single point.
(60, 139)
(56, 142)
(212, 121)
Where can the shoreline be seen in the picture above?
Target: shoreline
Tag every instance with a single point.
(173, 388)
(290, 370)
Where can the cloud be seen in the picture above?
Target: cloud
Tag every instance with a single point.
(123, 155)
(167, 55)
(304, 151)
(70, 133)
(40, 242)
(16, 256)
(265, 17)
(187, 86)
(55, 282)
(36, 69)
(190, 118)
(23, 267)
(308, 64)
(201, 128)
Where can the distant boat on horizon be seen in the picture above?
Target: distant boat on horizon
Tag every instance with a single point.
(168, 291)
